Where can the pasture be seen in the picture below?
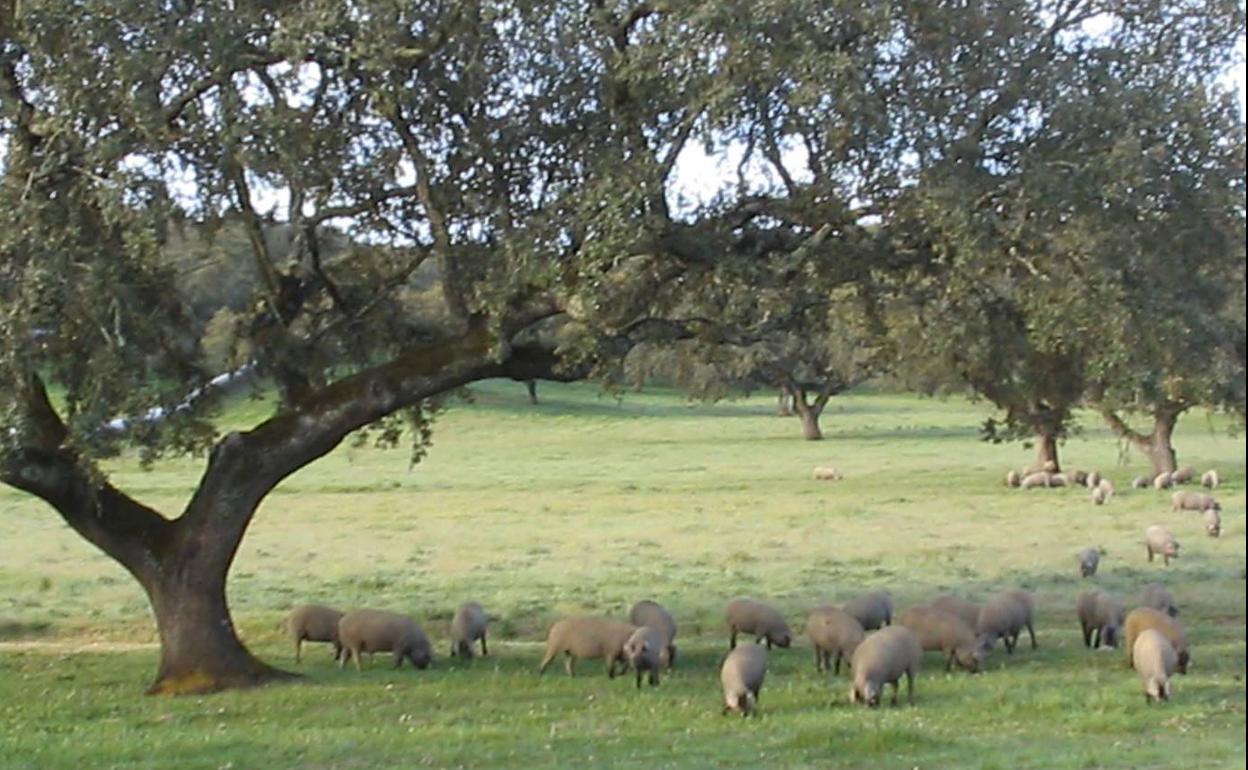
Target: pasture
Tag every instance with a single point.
(583, 504)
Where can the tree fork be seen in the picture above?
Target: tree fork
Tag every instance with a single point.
(183, 564)
(200, 648)
(809, 411)
(1156, 446)
(181, 568)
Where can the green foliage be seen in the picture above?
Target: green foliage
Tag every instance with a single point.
(222, 342)
(416, 422)
(1086, 236)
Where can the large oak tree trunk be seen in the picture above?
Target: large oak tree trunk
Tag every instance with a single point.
(1157, 445)
(200, 650)
(809, 411)
(1161, 454)
(810, 424)
(1046, 451)
(182, 563)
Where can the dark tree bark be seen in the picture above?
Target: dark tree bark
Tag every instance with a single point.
(1046, 450)
(182, 563)
(810, 423)
(1048, 424)
(1156, 445)
(199, 647)
(809, 409)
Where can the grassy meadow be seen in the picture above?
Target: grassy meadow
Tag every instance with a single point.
(585, 504)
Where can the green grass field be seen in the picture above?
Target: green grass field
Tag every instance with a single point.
(583, 504)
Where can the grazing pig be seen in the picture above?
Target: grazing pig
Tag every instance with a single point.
(1107, 487)
(1143, 618)
(832, 630)
(946, 632)
(1012, 479)
(1163, 480)
(1140, 482)
(644, 652)
(1193, 501)
(468, 626)
(1089, 559)
(1184, 475)
(587, 637)
(1004, 617)
(1100, 618)
(1079, 478)
(1210, 479)
(1213, 522)
(1093, 480)
(762, 620)
(827, 473)
(1155, 661)
(1159, 540)
(1099, 496)
(873, 609)
(1035, 480)
(313, 623)
(1058, 480)
(372, 631)
(956, 605)
(1158, 597)
(653, 614)
(741, 677)
(883, 658)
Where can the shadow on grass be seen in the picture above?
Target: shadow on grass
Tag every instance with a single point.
(13, 629)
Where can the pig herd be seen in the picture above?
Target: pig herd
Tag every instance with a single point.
(879, 647)
(1155, 642)
(862, 633)
(1158, 540)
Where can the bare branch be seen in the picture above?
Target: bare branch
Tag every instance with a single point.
(371, 202)
(683, 131)
(313, 243)
(772, 152)
(11, 89)
(456, 294)
(256, 60)
(255, 228)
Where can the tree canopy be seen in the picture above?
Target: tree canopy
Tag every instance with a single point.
(1086, 246)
